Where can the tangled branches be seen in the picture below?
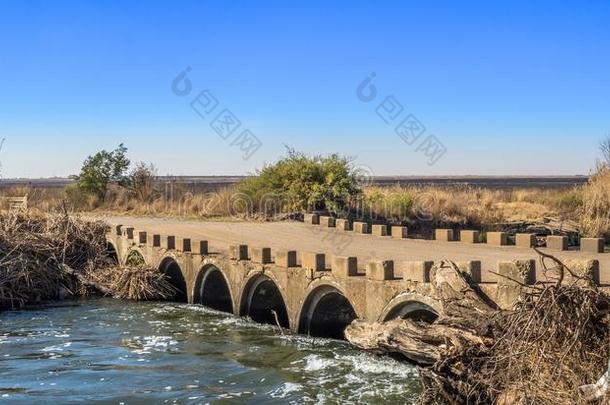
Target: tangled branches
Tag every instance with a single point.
(134, 283)
(35, 252)
(554, 342)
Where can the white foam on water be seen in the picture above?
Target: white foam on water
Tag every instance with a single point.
(314, 362)
(303, 342)
(354, 377)
(369, 364)
(244, 323)
(147, 344)
(286, 389)
(54, 348)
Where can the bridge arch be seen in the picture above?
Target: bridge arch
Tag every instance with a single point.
(212, 289)
(112, 253)
(171, 268)
(411, 306)
(326, 312)
(262, 300)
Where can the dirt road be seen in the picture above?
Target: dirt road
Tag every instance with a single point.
(300, 237)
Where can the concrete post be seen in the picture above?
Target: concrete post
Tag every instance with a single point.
(311, 219)
(261, 255)
(497, 238)
(344, 266)
(557, 242)
(472, 269)
(380, 230)
(286, 258)
(380, 270)
(445, 235)
(361, 227)
(183, 244)
(200, 247)
(327, 222)
(592, 245)
(526, 240)
(513, 276)
(399, 232)
(417, 271)
(517, 272)
(314, 261)
(586, 272)
(238, 252)
(168, 242)
(343, 224)
(469, 236)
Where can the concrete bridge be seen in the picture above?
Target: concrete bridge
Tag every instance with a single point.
(319, 293)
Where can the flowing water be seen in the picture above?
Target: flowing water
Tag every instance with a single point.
(110, 351)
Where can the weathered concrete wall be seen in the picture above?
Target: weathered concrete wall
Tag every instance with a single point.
(316, 291)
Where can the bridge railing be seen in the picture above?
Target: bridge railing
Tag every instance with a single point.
(523, 240)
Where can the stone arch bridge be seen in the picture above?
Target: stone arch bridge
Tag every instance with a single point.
(307, 292)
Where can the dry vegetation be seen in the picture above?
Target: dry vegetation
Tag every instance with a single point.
(595, 209)
(458, 206)
(140, 283)
(584, 207)
(45, 257)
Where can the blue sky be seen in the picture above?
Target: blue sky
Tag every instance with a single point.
(505, 87)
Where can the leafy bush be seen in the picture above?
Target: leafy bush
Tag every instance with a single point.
(305, 183)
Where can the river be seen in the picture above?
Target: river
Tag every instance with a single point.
(110, 351)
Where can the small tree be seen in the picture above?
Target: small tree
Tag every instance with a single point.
(102, 169)
(142, 180)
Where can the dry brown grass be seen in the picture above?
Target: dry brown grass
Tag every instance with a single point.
(469, 206)
(426, 206)
(594, 215)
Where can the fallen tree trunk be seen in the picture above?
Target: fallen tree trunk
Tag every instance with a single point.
(554, 341)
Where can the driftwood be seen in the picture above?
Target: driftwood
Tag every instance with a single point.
(464, 318)
(554, 341)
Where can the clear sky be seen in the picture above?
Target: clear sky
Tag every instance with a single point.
(506, 87)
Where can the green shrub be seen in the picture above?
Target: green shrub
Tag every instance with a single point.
(102, 169)
(305, 183)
